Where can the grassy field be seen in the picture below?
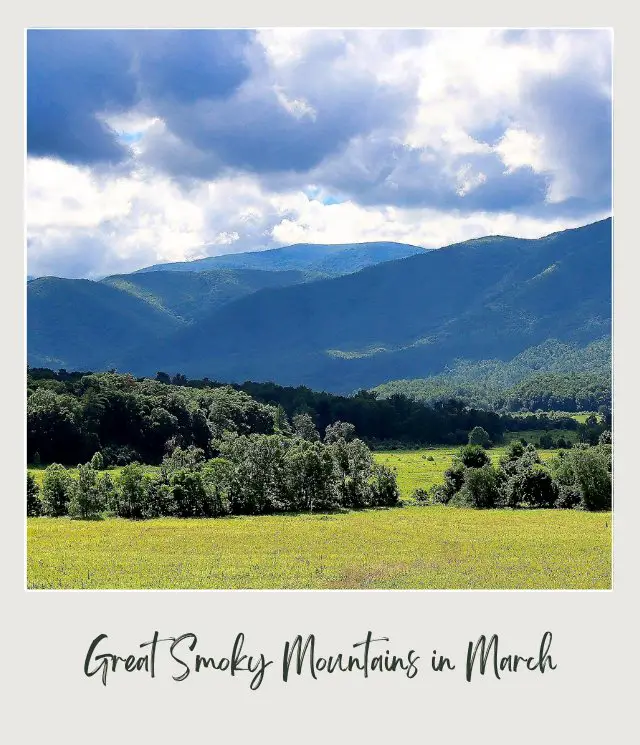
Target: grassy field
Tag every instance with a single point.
(415, 469)
(412, 547)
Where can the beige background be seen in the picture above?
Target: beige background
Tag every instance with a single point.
(588, 699)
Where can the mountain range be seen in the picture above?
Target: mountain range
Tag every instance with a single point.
(314, 315)
(329, 260)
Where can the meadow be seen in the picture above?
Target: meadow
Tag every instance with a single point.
(422, 469)
(401, 548)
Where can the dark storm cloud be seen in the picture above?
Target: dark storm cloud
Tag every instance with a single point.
(74, 78)
(71, 77)
(187, 66)
(277, 124)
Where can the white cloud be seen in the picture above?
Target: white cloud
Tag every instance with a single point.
(520, 149)
(421, 136)
(81, 225)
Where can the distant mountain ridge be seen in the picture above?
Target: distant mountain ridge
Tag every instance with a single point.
(328, 259)
(485, 299)
(72, 322)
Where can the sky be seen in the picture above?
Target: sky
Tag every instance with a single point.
(155, 146)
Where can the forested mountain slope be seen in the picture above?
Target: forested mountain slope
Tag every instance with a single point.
(490, 298)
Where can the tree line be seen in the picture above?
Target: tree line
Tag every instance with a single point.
(569, 392)
(70, 416)
(575, 478)
(254, 474)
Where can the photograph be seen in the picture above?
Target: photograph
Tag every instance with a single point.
(318, 308)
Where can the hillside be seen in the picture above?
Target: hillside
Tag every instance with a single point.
(75, 323)
(324, 259)
(550, 376)
(482, 299)
(189, 295)
(81, 323)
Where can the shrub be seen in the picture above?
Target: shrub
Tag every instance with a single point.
(480, 488)
(515, 451)
(57, 489)
(97, 462)
(422, 495)
(605, 438)
(569, 497)
(473, 456)
(480, 436)
(384, 487)
(34, 507)
(454, 478)
(536, 487)
(588, 470)
(440, 494)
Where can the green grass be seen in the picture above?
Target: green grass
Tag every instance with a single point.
(414, 470)
(582, 416)
(413, 547)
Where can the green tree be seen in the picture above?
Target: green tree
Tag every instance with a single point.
(588, 470)
(216, 477)
(107, 492)
(86, 499)
(257, 477)
(354, 464)
(34, 507)
(57, 489)
(532, 486)
(281, 421)
(605, 438)
(311, 477)
(546, 441)
(187, 459)
(339, 430)
(384, 487)
(130, 492)
(189, 493)
(303, 426)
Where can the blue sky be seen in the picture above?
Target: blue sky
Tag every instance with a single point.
(150, 146)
